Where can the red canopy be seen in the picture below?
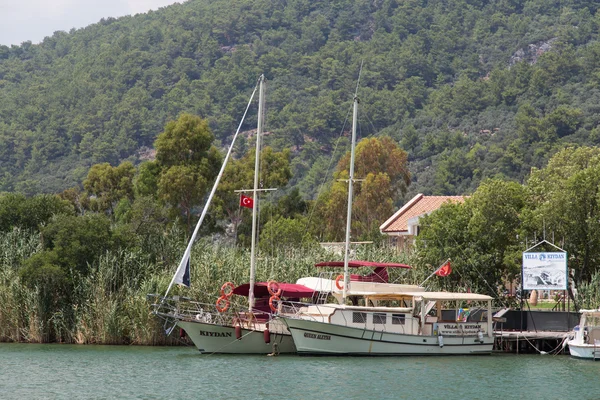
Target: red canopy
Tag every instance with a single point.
(357, 264)
(287, 290)
(380, 273)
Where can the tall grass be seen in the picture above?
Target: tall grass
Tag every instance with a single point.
(109, 306)
(588, 294)
(19, 306)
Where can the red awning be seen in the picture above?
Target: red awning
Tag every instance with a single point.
(290, 290)
(357, 264)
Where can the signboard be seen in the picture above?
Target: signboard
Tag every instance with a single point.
(459, 328)
(545, 271)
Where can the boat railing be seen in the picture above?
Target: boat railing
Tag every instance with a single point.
(179, 308)
(312, 311)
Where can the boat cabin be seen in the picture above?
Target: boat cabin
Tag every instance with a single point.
(412, 313)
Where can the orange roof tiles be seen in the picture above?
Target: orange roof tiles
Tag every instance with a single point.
(418, 205)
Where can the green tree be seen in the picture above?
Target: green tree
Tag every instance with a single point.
(274, 172)
(286, 232)
(110, 184)
(383, 168)
(188, 162)
(479, 236)
(16, 210)
(78, 241)
(564, 199)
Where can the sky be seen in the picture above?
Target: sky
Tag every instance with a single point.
(22, 20)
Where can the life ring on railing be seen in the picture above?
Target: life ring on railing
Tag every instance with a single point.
(272, 300)
(222, 304)
(337, 282)
(224, 292)
(273, 288)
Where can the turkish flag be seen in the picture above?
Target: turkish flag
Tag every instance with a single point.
(246, 201)
(444, 270)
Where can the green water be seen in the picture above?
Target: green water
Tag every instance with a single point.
(116, 372)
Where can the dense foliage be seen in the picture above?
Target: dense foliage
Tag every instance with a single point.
(454, 81)
(485, 236)
(128, 115)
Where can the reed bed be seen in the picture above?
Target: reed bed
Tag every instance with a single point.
(588, 293)
(109, 304)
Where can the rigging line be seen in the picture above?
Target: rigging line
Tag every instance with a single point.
(326, 175)
(458, 272)
(362, 62)
(476, 270)
(311, 214)
(372, 124)
(187, 253)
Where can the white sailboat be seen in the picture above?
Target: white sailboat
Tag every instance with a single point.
(215, 328)
(404, 321)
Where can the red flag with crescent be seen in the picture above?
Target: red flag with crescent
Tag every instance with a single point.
(246, 201)
(444, 270)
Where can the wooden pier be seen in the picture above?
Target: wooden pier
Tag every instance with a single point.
(528, 342)
(533, 331)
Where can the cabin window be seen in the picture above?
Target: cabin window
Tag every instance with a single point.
(359, 317)
(398, 319)
(379, 318)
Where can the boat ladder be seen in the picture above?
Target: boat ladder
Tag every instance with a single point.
(322, 297)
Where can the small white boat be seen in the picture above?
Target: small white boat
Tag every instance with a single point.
(586, 342)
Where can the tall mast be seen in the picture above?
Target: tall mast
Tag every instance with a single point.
(184, 263)
(350, 189)
(259, 128)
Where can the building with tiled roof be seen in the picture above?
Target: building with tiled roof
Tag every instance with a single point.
(403, 226)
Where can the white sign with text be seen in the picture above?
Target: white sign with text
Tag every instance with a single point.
(545, 271)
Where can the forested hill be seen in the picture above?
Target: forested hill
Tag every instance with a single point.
(469, 88)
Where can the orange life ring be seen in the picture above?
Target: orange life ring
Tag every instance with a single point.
(273, 288)
(273, 299)
(222, 304)
(225, 293)
(337, 282)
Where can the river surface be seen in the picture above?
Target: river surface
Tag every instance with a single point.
(51, 371)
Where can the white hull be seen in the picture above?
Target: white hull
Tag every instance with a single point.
(587, 351)
(212, 338)
(313, 337)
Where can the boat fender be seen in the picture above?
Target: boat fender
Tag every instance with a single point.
(337, 282)
(273, 288)
(227, 289)
(480, 336)
(273, 301)
(267, 336)
(181, 333)
(238, 332)
(222, 304)
(441, 340)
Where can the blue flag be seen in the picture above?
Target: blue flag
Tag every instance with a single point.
(186, 274)
(182, 276)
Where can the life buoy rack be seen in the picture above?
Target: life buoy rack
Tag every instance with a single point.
(337, 282)
(273, 299)
(273, 288)
(225, 292)
(222, 304)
